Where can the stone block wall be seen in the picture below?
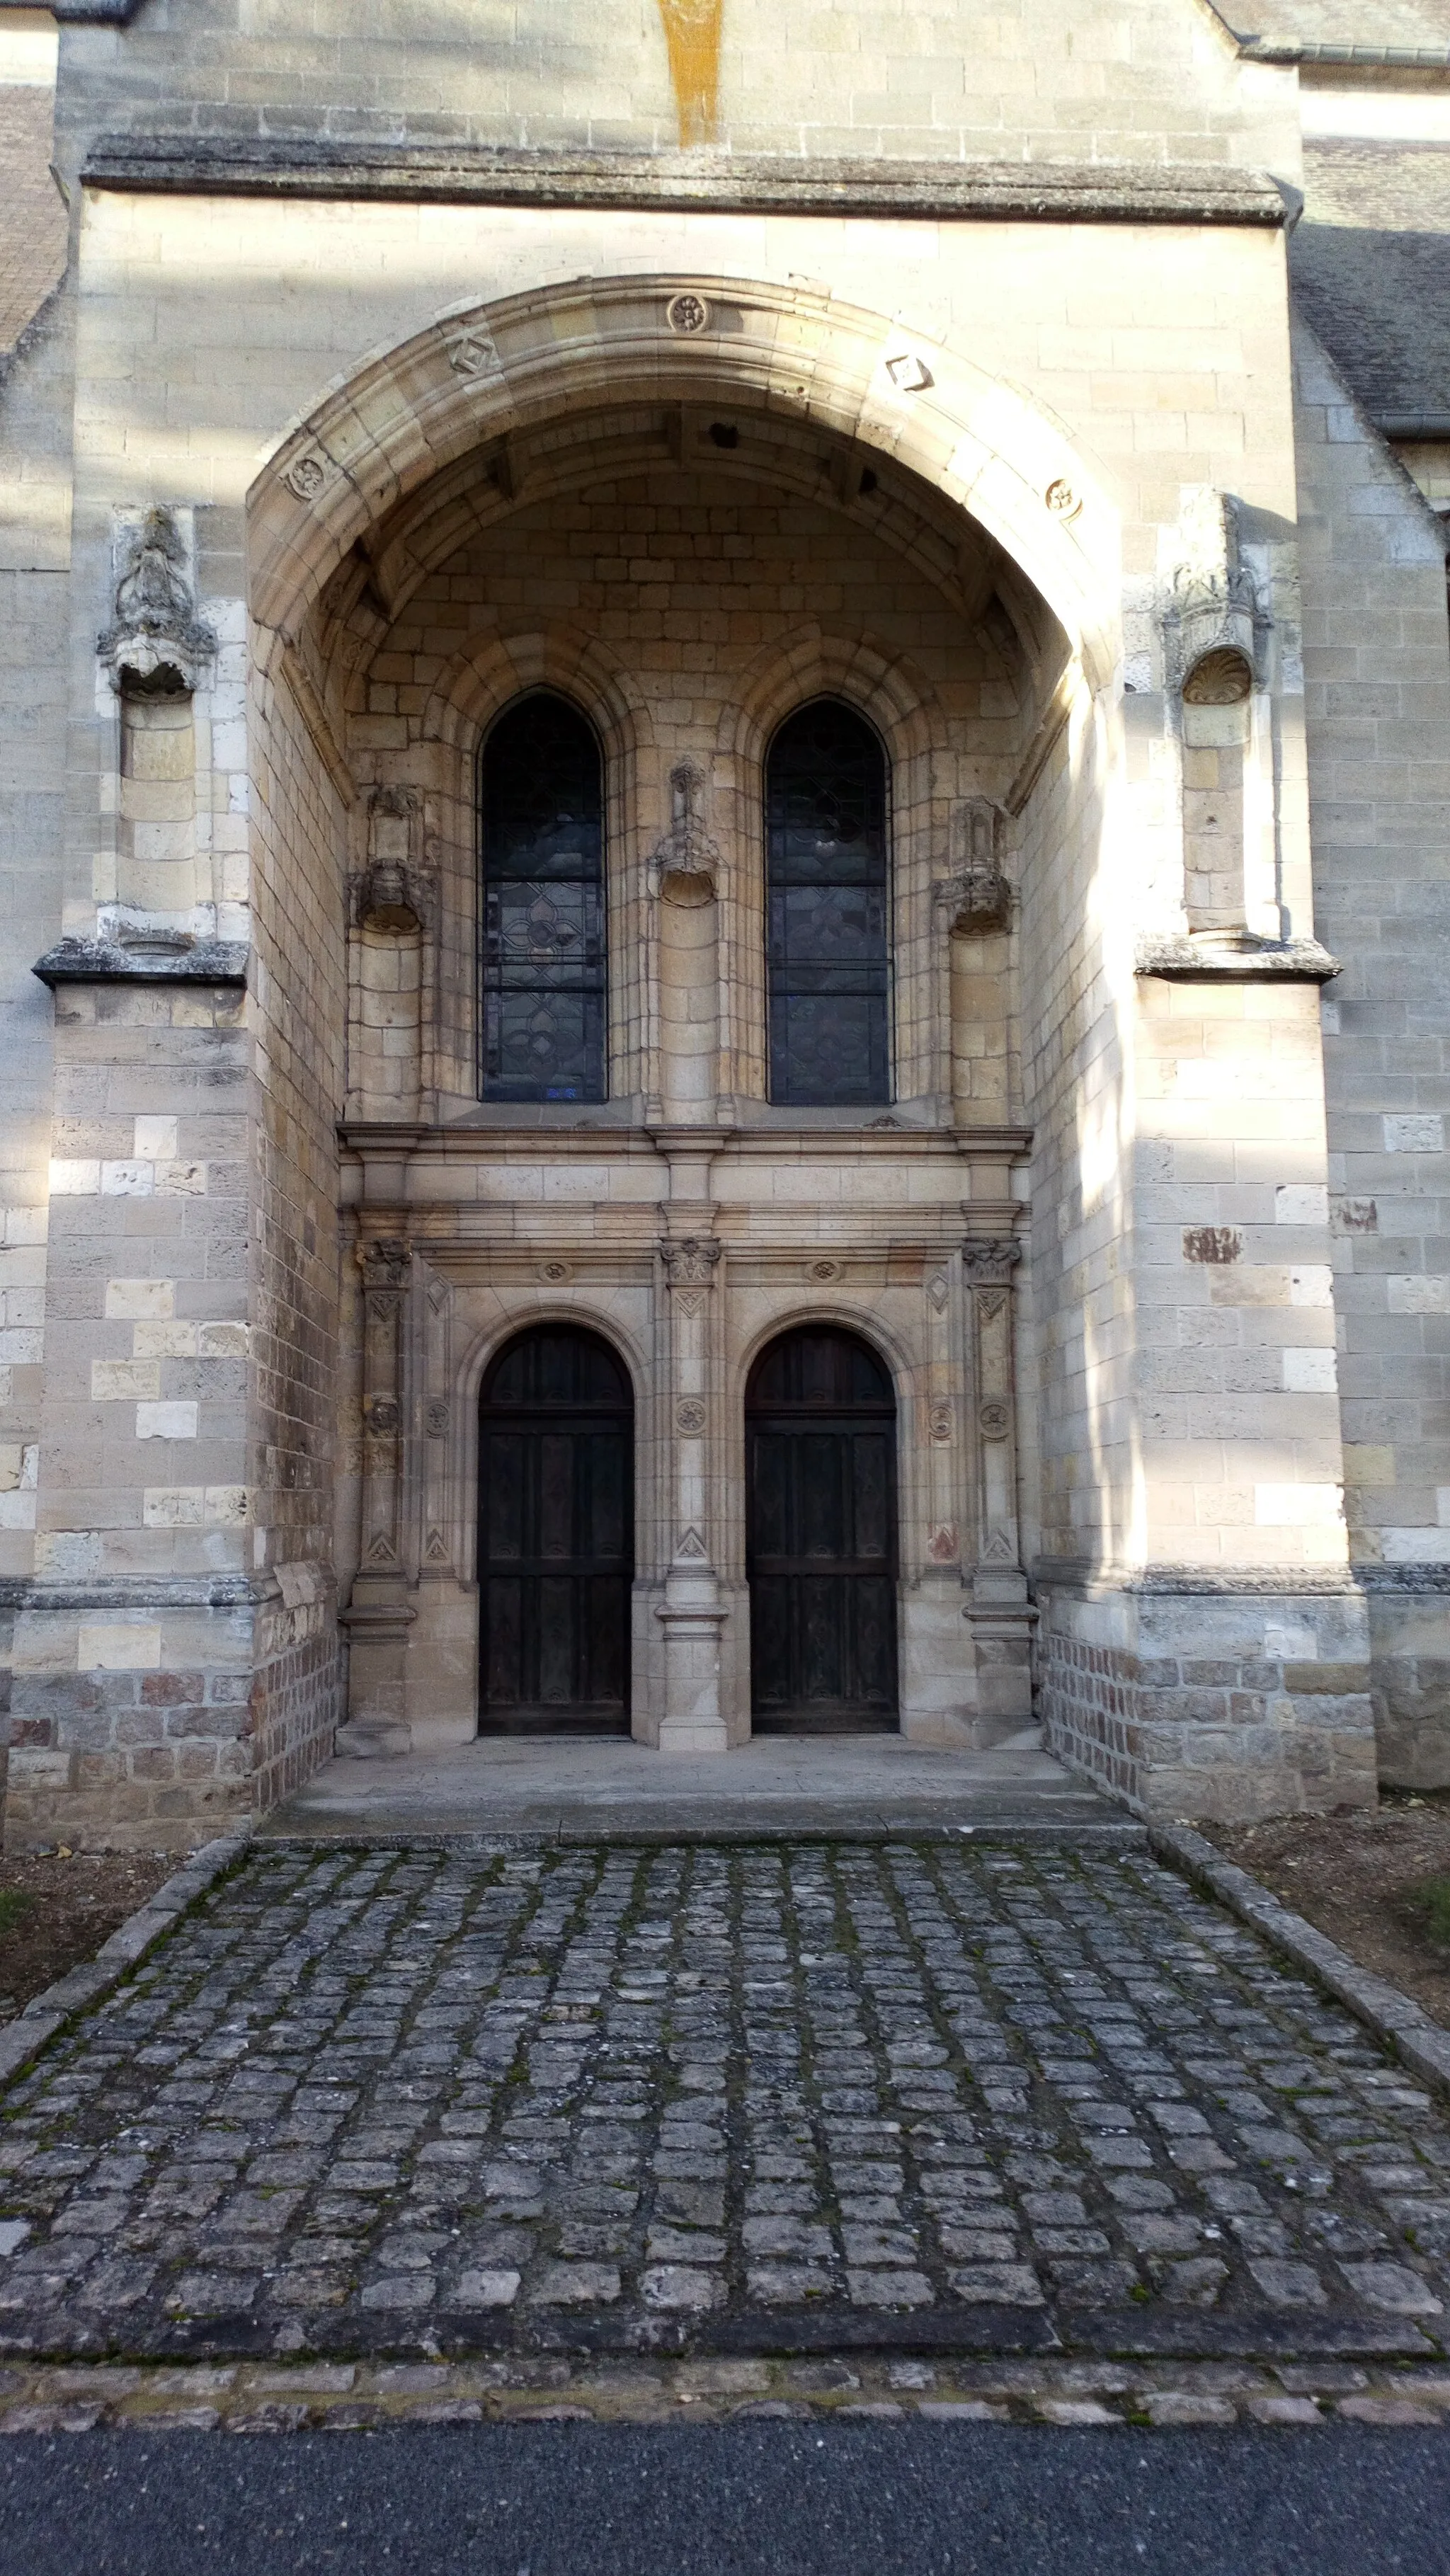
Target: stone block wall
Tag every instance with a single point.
(1377, 671)
(1185, 1700)
(1118, 80)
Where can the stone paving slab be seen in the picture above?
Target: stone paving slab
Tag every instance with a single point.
(771, 1787)
(914, 2099)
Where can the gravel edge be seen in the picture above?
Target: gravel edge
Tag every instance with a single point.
(23, 2039)
(1403, 2025)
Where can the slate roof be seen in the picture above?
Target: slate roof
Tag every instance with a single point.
(1367, 28)
(1370, 262)
(32, 211)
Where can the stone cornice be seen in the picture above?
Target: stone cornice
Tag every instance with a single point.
(103, 961)
(1196, 957)
(1079, 1575)
(481, 1141)
(931, 191)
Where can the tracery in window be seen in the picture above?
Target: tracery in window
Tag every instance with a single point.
(543, 960)
(826, 873)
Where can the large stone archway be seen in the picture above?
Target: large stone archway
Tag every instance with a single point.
(483, 371)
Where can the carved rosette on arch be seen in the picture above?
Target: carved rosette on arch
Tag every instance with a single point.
(378, 1615)
(692, 1614)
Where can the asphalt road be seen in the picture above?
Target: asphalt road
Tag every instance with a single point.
(784, 2499)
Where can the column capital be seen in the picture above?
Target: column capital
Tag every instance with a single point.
(690, 1260)
(989, 1260)
(385, 1261)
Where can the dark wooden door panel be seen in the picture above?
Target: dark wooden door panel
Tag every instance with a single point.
(555, 1531)
(820, 1463)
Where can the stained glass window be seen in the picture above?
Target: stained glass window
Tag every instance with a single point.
(543, 980)
(825, 818)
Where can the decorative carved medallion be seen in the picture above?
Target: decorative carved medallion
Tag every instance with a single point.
(690, 1416)
(556, 1271)
(687, 314)
(941, 1423)
(306, 478)
(436, 1417)
(382, 1416)
(1062, 498)
(993, 1417)
(987, 1258)
(824, 1270)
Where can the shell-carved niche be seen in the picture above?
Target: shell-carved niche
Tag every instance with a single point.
(976, 899)
(1214, 624)
(156, 640)
(391, 909)
(390, 895)
(685, 861)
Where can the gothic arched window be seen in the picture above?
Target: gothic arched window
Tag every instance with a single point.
(825, 837)
(543, 972)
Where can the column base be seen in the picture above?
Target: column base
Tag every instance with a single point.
(691, 1620)
(377, 1623)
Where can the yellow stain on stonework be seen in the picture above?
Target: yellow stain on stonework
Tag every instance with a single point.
(692, 35)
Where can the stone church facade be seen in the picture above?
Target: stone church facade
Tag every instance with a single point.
(723, 789)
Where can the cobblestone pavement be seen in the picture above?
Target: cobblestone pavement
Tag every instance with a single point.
(908, 2098)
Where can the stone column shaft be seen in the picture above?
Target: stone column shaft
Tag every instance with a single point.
(692, 1614)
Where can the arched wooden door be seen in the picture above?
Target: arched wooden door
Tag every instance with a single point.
(555, 1537)
(820, 1440)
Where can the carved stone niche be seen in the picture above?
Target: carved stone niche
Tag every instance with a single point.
(391, 895)
(976, 899)
(685, 861)
(1214, 624)
(156, 643)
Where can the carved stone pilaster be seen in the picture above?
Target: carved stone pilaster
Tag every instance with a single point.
(692, 1613)
(998, 1611)
(379, 1615)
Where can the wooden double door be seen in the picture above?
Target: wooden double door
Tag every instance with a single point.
(556, 1552)
(556, 1537)
(820, 1444)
